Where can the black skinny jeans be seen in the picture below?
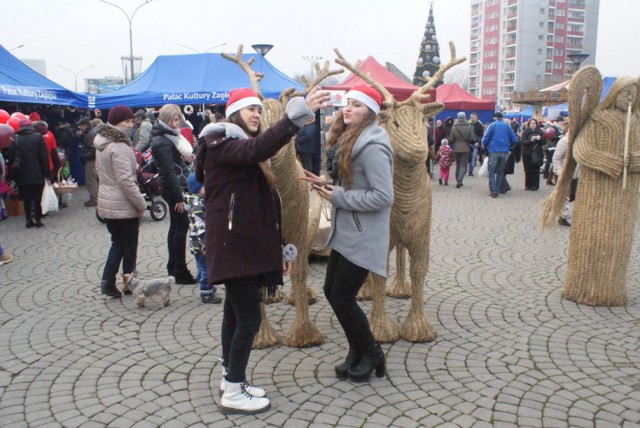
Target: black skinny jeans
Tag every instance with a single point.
(240, 324)
(124, 247)
(341, 285)
(531, 172)
(31, 195)
(177, 243)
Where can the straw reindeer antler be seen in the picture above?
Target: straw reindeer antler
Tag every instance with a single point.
(321, 74)
(355, 69)
(254, 76)
(420, 95)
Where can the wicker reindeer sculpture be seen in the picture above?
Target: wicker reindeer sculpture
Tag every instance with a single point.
(411, 212)
(295, 213)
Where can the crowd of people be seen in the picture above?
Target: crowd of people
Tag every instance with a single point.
(218, 184)
(503, 142)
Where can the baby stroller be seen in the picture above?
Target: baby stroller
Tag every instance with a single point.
(150, 189)
(150, 186)
(147, 179)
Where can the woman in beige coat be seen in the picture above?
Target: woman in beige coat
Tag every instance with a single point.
(120, 202)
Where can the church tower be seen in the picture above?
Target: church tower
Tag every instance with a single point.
(428, 61)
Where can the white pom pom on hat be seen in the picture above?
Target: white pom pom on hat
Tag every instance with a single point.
(367, 95)
(239, 99)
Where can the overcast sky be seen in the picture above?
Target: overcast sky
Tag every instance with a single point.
(81, 33)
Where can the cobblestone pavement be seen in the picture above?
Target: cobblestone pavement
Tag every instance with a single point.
(510, 351)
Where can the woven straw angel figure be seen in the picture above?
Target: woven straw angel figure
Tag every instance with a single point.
(606, 202)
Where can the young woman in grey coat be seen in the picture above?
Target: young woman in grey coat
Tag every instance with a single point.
(360, 160)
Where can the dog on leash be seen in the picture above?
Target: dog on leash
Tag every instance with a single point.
(141, 289)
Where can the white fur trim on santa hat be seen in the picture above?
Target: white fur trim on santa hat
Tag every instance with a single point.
(364, 99)
(242, 103)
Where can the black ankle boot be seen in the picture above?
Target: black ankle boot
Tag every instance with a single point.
(372, 360)
(108, 288)
(342, 370)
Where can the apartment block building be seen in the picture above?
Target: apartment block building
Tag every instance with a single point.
(521, 45)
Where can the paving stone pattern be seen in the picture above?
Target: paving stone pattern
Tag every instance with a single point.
(510, 351)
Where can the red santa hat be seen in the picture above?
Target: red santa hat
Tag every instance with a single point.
(239, 99)
(367, 96)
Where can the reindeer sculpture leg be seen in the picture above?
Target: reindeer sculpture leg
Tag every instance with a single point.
(303, 332)
(416, 327)
(384, 329)
(267, 335)
(366, 291)
(400, 288)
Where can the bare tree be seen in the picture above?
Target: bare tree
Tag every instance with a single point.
(458, 75)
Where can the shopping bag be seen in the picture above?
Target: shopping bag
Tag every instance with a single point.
(49, 200)
(484, 169)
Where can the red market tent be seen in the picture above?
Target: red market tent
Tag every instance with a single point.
(456, 99)
(400, 89)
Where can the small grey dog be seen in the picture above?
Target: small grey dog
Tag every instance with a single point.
(147, 288)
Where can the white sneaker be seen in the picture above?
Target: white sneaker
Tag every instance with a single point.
(236, 399)
(253, 390)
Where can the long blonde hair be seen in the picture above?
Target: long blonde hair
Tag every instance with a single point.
(346, 136)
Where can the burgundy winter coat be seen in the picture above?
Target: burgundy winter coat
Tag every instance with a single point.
(243, 235)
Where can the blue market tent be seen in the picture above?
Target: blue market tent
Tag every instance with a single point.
(563, 109)
(20, 84)
(522, 115)
(193, 79)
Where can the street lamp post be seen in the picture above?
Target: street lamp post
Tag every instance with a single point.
(577, 59)
(262, 48)
(312, 60)
(130, 19)
(197, 51)
(17, 47)
(76, 73)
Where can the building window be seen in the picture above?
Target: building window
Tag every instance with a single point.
(559, 39)
(560, 12)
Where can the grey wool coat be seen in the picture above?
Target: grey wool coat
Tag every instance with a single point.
(361, 213)
(118, 194)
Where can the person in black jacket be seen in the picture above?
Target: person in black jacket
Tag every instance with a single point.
(88, 158)
(171, 167)
(64, 136)
(33, 170)
(532, 154)
(476, 147)
(307, 143)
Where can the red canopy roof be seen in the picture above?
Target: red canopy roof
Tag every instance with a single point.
(456, 98)
(400, 89)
